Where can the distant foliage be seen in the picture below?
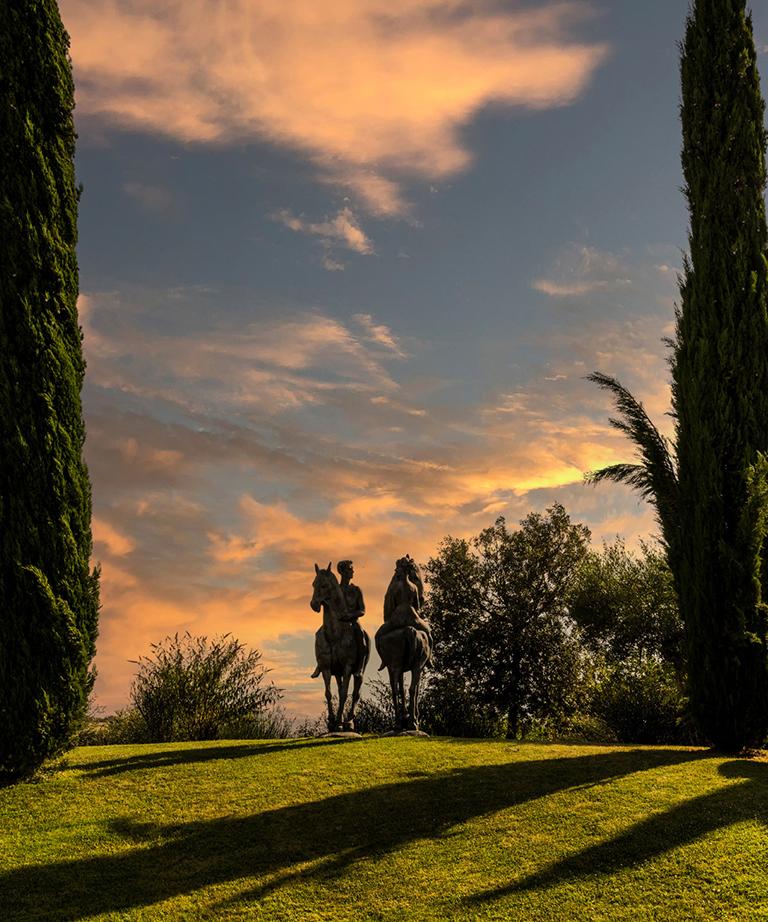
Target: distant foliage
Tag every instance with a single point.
(625, 605)
(48, 594)
(191, 688)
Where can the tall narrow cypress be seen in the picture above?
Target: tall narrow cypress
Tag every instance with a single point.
(720, 377)
(711, 488)
(48, 594)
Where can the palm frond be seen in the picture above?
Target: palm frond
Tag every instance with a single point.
(655, 476)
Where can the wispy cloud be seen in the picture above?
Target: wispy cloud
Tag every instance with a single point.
(379, 334)
(375, 93)
(341, 230)
(582, 270)
(151, 198)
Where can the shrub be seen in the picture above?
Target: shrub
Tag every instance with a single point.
(640, 700)
(450, 708)
(191, 688)
(375, 712)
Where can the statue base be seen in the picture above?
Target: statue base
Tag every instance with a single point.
(341, 735)
(406, 733)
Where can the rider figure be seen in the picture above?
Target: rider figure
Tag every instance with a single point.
(353, 601)
(403, 600)
(353, 595)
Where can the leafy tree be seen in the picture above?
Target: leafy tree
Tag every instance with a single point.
(191, 688)
(711, 493)
(498, 607)
(625, 605)
(48, 594)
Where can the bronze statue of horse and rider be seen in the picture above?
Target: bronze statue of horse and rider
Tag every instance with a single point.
(404, 641)
(342, 647)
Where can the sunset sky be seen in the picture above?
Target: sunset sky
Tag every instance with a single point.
(344, 265)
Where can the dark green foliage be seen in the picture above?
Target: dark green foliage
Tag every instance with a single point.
(498, 606)
(193, 689)
(450, 707)
(48, 595)
(720, 378)
(375, 712)
(625, 605)
(716, 527)
(640, 700)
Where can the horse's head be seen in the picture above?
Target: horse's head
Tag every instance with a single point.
(324, 586)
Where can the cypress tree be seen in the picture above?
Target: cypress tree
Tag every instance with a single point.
(48, 594)
(711, 492)
(720, 377)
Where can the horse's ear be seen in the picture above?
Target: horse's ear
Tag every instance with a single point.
(317, 569)
(330, 564)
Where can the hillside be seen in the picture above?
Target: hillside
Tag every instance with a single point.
(387, 829)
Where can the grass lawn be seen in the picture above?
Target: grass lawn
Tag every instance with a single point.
(387, 829)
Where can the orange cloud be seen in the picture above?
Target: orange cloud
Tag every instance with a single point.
(372, 91)
(108, 539)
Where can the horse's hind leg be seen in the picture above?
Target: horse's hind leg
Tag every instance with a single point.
(395, 680)
(402, 723)
(413, 699)
(350, 722)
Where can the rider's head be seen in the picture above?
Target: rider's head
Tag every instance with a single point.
(345, 568)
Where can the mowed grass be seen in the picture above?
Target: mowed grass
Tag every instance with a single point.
(387, 829)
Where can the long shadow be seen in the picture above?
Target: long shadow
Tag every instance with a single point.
(332, 833)
(652, 837)
(164, 758)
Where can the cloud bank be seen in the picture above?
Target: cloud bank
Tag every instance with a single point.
(375, 92)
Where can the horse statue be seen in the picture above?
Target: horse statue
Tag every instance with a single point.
(342, 647)
(404, 641)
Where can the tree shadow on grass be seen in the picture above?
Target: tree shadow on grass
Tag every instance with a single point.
(166, 757)
(329, 834)
(658, 834)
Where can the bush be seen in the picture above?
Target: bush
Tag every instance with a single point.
(124, 726)
(449, 708)
(191, 688)
(586, 728)
(375, 712)
(271, 724)
(640, 700)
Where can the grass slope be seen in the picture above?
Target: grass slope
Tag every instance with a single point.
(387, 829)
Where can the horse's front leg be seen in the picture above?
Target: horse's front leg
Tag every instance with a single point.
(401, 698)
(329, 699)
(350, 722)
(343, 683)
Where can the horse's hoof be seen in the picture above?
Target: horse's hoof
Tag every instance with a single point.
(348, 726)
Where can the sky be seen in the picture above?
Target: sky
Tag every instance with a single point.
(343, 269)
